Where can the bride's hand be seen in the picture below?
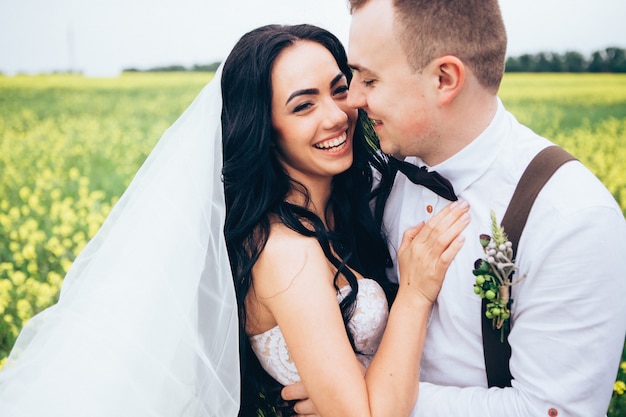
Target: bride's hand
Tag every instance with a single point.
(428, 249)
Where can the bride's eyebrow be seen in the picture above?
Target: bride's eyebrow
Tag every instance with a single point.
(337, 78)
(313, 91)
(305, 92)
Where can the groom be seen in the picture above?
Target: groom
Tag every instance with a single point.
(428, 76)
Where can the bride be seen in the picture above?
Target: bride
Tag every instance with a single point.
(149, 322)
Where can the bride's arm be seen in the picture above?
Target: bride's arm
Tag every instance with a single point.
(293, 281)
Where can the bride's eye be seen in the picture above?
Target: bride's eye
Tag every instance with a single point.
(341, 90)
(302, 107)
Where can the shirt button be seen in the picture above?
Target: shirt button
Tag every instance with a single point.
(429, 209)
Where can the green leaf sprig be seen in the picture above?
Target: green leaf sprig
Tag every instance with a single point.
(494, 274)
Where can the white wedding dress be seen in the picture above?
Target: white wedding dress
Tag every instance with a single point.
(367, 325)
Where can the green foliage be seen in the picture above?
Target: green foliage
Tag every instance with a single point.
(608, 60)
(179, 68)
(583, 113)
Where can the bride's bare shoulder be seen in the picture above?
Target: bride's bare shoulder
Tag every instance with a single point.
(286, 256)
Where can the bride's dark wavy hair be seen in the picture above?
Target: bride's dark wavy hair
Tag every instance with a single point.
(256, 186)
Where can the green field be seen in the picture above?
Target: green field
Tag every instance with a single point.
(69, 146)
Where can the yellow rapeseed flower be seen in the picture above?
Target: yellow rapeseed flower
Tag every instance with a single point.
(18, 258)
(18, 278)
(24, 193)
(66, 264)
(32, 267)
(74, 173)
(24, 309)
(623, 366)
(14, 213)
(6, 267)
(54, 246)
(619, 387)
(14, 246)
(55, 280)
(55, 194)
(38, 236)
(29, 252)
(5, 296)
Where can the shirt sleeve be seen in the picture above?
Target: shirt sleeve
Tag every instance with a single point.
(568, 329)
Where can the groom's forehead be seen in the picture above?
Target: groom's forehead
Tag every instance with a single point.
(371, 27)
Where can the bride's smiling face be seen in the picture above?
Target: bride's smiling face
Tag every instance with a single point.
(312, 121)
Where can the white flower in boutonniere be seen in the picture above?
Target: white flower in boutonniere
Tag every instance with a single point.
(494, 274)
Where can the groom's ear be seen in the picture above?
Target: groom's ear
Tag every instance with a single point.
(452, 72)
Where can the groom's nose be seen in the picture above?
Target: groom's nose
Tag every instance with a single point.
(356, 95)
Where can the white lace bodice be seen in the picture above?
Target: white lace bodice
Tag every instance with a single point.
(367, 325)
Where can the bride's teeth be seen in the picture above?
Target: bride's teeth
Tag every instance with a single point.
(332, 143)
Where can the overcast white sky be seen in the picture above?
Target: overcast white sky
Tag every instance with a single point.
(101, 37)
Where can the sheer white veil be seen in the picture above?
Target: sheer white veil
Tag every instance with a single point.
(146, 324)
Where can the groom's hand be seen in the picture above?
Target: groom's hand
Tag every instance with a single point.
(297, 392)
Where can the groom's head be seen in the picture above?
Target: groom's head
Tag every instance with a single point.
(411, 57)
(472, 30)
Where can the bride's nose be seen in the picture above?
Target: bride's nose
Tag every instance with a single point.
(334, 116)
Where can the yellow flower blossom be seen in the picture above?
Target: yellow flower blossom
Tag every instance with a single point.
(55, 280)
(55, 194)
(18, 278)
(66, 264)
(18, 259)
(24, 193)
(14, 213)
(29, 252)
(74, 173)
(54, 246)
(32, 268)
(6, 267)
(14, 246)
(619, 387)
(24, 309)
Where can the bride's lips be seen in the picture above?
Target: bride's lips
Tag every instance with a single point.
(334, 144)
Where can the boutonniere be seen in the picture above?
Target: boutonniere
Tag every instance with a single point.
(494, 274)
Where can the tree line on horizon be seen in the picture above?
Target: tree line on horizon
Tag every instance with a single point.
(612, 59)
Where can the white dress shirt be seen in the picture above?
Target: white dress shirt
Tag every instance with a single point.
(569, 312)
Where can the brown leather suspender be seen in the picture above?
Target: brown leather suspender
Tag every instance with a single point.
(497, 353)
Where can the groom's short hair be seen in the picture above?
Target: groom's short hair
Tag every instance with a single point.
(471, 30)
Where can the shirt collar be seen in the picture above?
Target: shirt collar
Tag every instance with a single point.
(471, 162)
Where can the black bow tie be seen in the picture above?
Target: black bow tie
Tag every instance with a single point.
(431, 180)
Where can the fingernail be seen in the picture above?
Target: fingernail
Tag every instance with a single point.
(465, 217)
(463, 204)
